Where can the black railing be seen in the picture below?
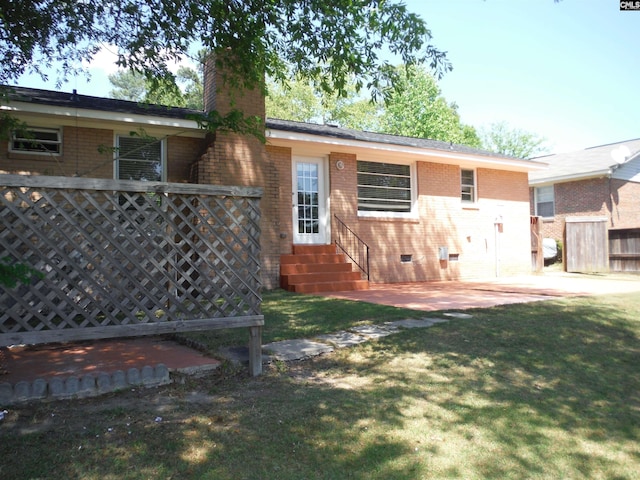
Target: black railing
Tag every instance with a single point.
(353, 246)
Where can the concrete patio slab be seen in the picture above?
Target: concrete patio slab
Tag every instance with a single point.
(462, 295)
(239, 355)
(458, 315)
(342, 339)
(374, 331)
(288, 350)
(412, 323)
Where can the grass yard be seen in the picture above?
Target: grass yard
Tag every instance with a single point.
(546, 390)
(289, 316)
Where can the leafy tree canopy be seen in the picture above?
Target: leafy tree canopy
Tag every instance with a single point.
(299, 101)
(128, 85)
(418, 109)
(325, 41)
(415, 109)
(500, 138)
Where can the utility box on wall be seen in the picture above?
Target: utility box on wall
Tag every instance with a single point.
(443, 253)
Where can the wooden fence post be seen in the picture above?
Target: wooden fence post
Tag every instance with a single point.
(255, 351)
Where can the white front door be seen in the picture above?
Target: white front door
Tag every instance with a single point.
(310, 222)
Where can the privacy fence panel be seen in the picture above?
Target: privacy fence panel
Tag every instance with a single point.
(127, 258)
(586, 244)
(624, 250)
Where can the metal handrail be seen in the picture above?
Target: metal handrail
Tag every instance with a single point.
(352, 246)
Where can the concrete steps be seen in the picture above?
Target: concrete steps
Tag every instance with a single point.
(317, 269)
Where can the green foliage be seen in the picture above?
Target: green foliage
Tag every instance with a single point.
(9, 124)
(500, 138)
(325, 41)
(298, 100)
(414, 109)
(234, 121)
(188, 93)
(12, 273)
(128, 85)
(417, 109)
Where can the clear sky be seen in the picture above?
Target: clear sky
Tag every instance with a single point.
(567, 71)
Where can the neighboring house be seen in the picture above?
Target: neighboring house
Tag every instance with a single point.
(428, 210)
(602, 182)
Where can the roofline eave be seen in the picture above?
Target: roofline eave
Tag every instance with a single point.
(571, 177)
(285, 136)
(17, 107)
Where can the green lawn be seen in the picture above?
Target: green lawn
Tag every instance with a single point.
(546, 390)
(289, 316)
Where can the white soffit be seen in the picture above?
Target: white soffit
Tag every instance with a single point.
(101, 115)
(319, 144)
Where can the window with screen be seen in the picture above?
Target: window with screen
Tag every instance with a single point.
(39, 141)
(468, 185)
(545, 203)
(140, 159)
(384, 187)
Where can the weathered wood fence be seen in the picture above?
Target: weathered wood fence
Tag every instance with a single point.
(586, 244)
(537, 255)
(121, 258)
(624, 250)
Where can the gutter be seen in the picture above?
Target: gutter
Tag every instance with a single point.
(99, 115)
(606, 172)
(285, 137)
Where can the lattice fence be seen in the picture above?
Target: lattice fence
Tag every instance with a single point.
(127, 258)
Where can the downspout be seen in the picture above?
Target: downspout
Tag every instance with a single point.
(498, 229)
(610, 177)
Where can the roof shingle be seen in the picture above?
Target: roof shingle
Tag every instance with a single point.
(76, 100)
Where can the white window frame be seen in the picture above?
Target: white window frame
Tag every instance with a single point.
(412, 213)
(163, 156)
(473, 187)
(36, 130)
(537, 191)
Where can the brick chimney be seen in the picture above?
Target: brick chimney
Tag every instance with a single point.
(224, 94)
(231, 159)
(242, 160)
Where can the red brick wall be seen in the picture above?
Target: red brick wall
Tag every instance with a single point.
(602, 197)
(468, 231)
(81, 156)
(625, 212)
(181, 154)
(280, 160)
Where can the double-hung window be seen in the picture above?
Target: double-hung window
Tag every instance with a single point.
(545, 201)
(384, 188)
(468, 186)
(140, 158)
(39, 141)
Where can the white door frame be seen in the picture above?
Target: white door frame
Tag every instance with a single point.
(316, 228)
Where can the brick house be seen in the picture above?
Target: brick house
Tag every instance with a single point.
(427, 210)
(601, 181)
